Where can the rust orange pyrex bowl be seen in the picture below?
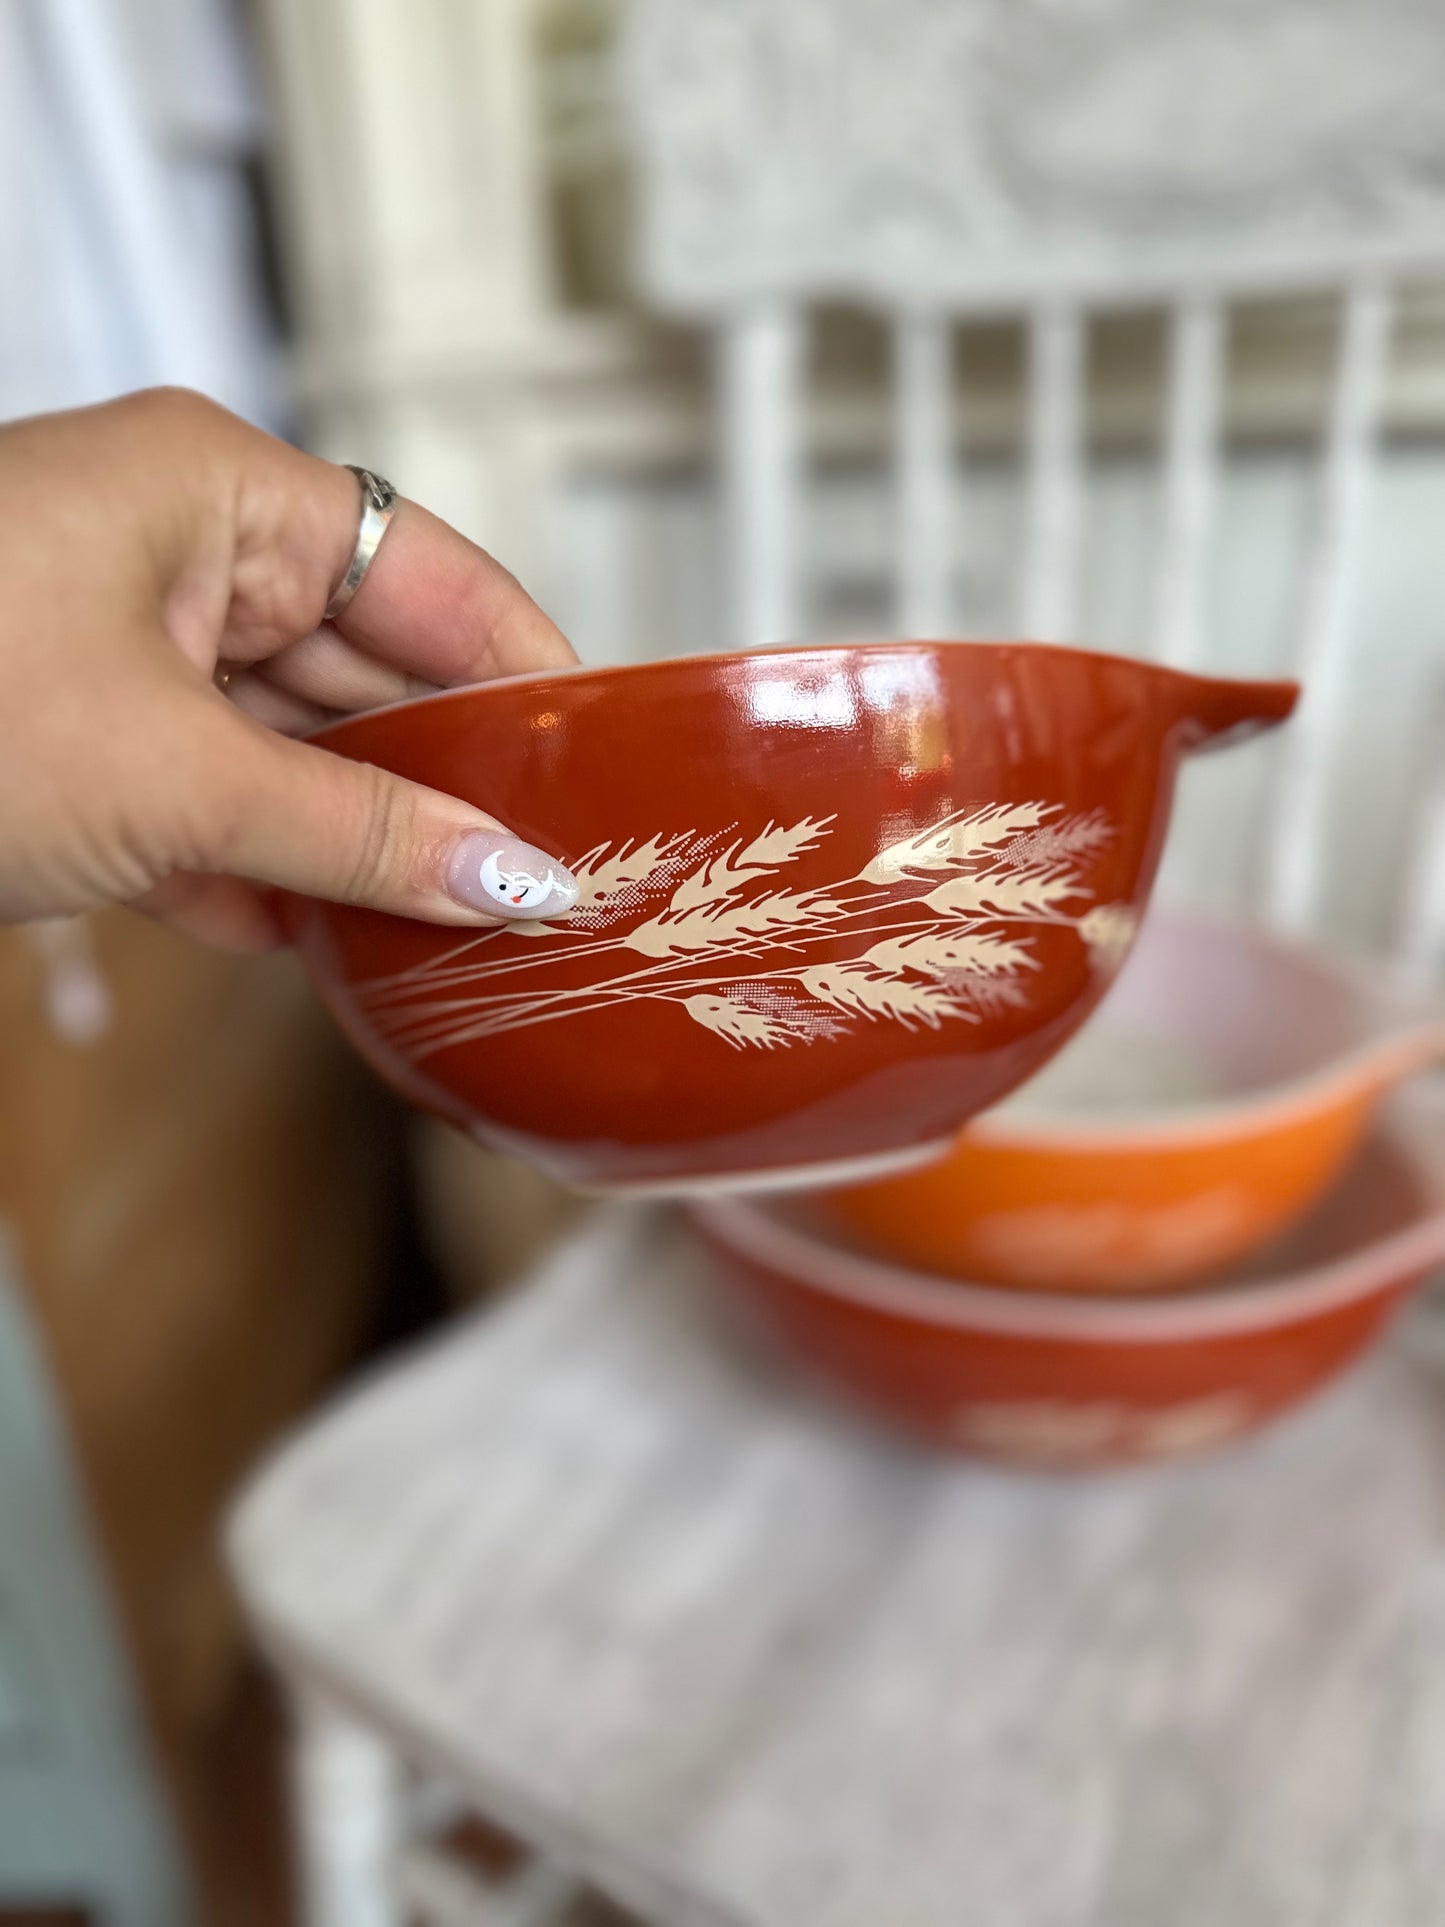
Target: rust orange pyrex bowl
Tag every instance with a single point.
(1072, 1382)
(1226, 1080)
(834, 900)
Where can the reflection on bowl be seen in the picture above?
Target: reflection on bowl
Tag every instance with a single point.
(1225, 1083)
(834, 900)
(1084, 1381)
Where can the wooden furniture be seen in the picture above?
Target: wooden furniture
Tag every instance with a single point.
(711, 1644)
(194, 1195)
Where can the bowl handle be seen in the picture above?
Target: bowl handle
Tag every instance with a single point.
(1407, 1053)
(1214, 711)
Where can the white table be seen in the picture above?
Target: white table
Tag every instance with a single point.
(711, 1643)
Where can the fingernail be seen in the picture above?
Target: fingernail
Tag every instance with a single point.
(506, 877)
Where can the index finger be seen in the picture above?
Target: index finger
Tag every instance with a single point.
(437, 606)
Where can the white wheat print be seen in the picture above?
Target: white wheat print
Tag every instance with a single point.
(934, 929)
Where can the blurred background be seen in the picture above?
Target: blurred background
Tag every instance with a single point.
(719, 322)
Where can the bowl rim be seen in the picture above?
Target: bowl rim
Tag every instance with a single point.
(718, 658)
(755, 1233)
(1412, 1030)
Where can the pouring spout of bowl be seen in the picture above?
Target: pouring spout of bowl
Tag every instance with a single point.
(1214, 711)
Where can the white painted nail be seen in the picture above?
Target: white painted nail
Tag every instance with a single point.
(506, 877)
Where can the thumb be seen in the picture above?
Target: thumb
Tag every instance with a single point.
(301, 818)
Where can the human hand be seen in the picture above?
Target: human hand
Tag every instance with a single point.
(154, 544)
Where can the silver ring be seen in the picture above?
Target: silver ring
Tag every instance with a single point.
(378, 505)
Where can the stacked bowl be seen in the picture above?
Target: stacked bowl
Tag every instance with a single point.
(834, 903)
(1197, 1215)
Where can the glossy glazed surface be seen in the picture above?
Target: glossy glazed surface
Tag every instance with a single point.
(834, 900)
(1079, 1382)
(1299, 1051)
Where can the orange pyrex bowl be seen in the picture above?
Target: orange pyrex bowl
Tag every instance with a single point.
(834, 900)
(1083, 1381)
(1273, 1057)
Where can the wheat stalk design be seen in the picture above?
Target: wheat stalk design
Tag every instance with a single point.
(940, 917)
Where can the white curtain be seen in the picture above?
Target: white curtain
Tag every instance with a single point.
(128, 250)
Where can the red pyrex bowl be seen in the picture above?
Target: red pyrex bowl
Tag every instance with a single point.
(834, 900)
(1075, 1381)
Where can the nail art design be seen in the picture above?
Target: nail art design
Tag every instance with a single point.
(499, 873)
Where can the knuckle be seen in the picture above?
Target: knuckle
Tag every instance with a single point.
(204, 784)
(172, 404)
(383, 851)
(211, 825)
(175, 418)
(206, 808)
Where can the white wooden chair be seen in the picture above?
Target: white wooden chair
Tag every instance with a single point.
(425, 154)
(607, 1576)
(940, 164)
